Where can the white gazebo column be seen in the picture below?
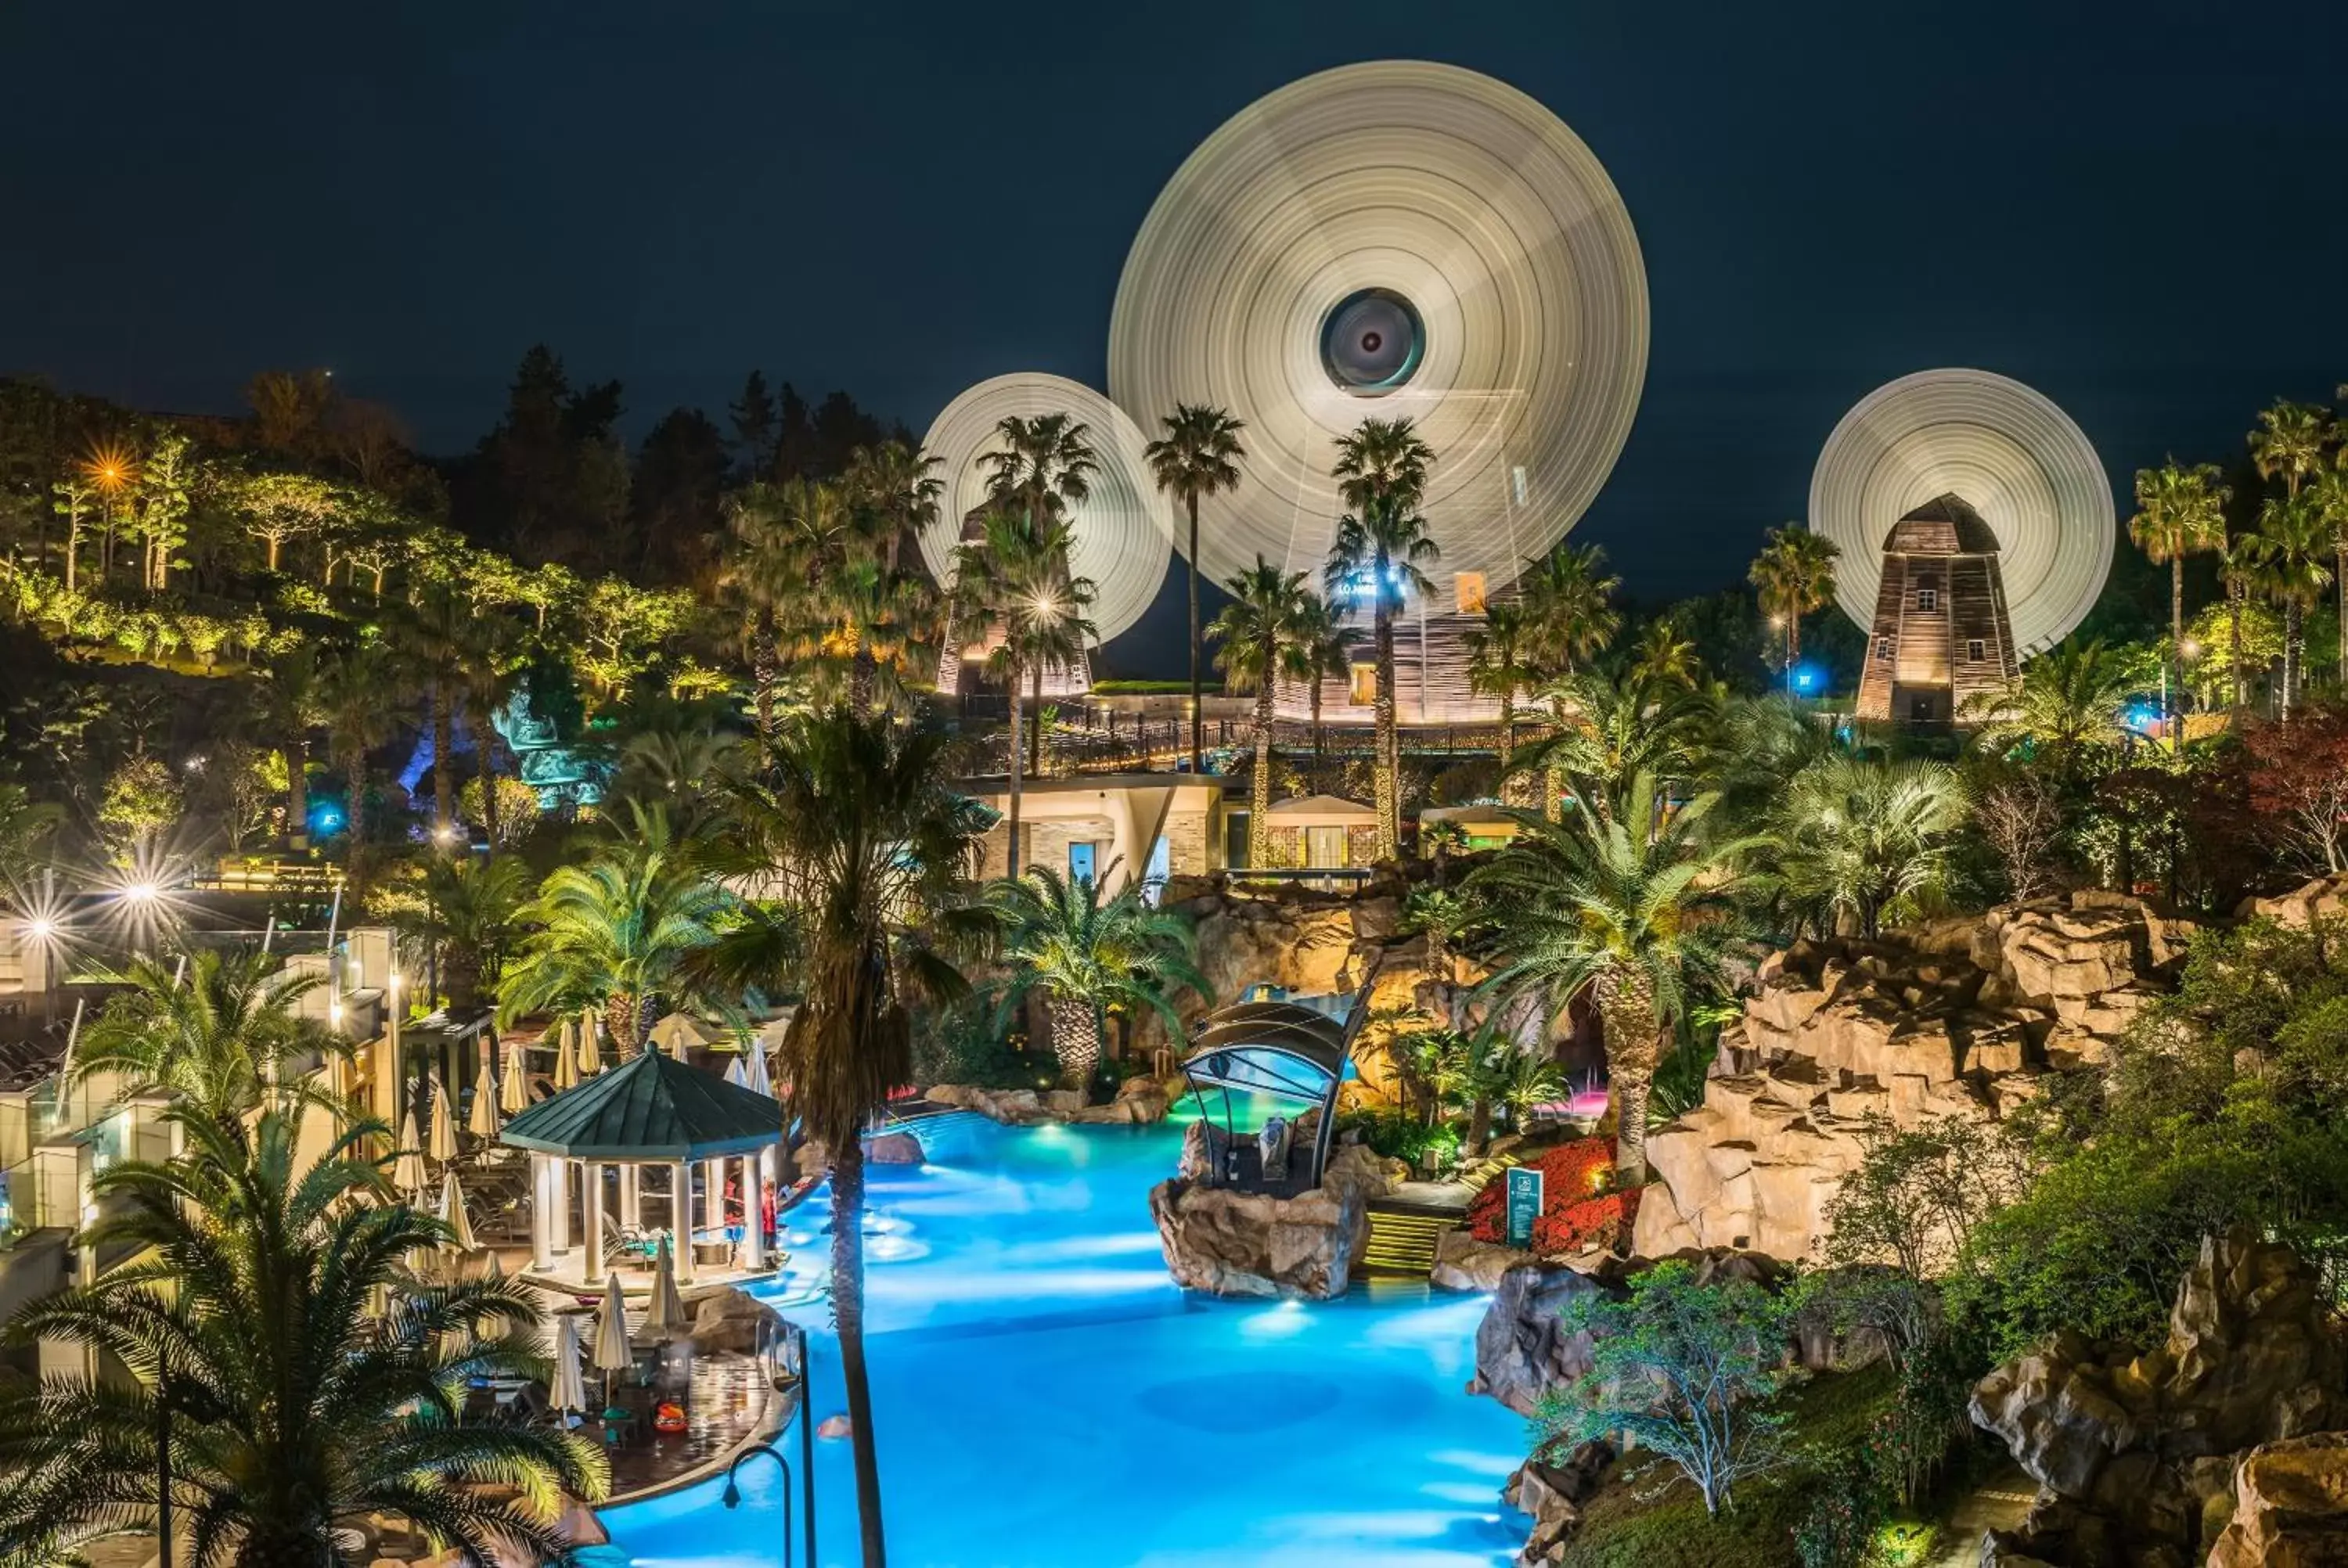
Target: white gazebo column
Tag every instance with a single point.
(712, 1194)
(632, 1205)
(684, 1205)
(593, 1215)
(541, 1212)
(558, 1205)
(753, 1235)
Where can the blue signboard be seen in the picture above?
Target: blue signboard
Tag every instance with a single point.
(1524, 1203)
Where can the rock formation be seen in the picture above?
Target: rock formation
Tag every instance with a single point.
(1247, 1244)
(2134, 1452)
(2325, 899)
(1522, 1347)
(1958, 1018)
(1552, 1495)
(1463, 1263)
(2290, 1506)
(894, 1148)
(1139, 1102)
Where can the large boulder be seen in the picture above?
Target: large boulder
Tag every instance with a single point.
(1523, 1349)
(2290, 1506)
(1957, 1019)
(2135, 1450)
(1463, 1263)
(2324, 898)
(1248, 1244)
(732, 1320)
(1552, 1496)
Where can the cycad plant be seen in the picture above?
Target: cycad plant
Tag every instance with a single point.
(2067, 701)
(1858, 838)
(291, 1411)
(1089, 952)
(1642, 919)
(215, 1036)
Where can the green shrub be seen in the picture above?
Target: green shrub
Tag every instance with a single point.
(1400, 1135)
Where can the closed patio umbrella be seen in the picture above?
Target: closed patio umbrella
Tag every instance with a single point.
(566, 1064)
(407, 1171)
(452, 1213)
(569, 1391)
(736, 1074)
(612, 1351)
(513, 1085)
(443, 1131)
(482, 1120)
(590, 1052)
(665, 1319)
(754, 1070)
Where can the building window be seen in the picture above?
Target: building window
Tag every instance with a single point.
(1975, 650)
(1883, 649)
(1365, 690)
(1468, 591)
(1928, 598)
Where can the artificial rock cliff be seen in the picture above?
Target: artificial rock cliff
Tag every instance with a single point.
(1958, 1018)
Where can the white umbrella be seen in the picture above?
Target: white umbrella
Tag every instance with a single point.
(753, 1070)
(591, 1051)
(612, 1351)
(482, 1121)
(452, 1212)
(407, 1171)
(513, 1087)
(443, 1131)
(569, 1391)
(665, 1319)
(735, 1073)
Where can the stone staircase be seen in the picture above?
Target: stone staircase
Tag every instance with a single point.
(1402, 1239)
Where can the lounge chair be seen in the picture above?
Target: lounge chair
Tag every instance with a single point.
(629, 1240)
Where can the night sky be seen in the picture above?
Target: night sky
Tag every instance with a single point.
(2140, 208)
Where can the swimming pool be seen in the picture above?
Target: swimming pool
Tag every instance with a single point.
(1046, 1398)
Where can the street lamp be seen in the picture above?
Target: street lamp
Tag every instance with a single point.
(732, 1496)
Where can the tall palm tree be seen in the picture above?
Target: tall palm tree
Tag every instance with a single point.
(492, 671)
(1856, 836)
(2328, 494)
(1197, 458)
(761, 576)
(241, 1310)
(2288, 556)
(1794, 572)
(1381, 547)
(2289, 443)
(216, 1036)
(1499, 665)
(1043, 465)
(358, 686)
(855, 827)
(617, 930)
(898, 486)
(432, 637)
(1324, 648)
(1642, 922)
(1664, 657)
(1569, 604)
(1014, 584)
(2180, 511)
(1090, 953)
(1259, 633)
(293, 704)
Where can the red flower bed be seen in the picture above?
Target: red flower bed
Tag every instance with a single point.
(1578, 1211)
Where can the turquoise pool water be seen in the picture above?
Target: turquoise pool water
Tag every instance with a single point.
(1044, 1397)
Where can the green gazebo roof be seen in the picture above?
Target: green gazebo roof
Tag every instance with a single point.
(655, 1108)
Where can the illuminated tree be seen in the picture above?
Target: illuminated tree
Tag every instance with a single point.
(1381, 547)
(899, 486)
(1089, 953)
(2180, 511)
(159, 507)
(1197, 458)
(1795, 574)
(74, 503)
(1568, 597)
(1664, 657)
(1498, 666)
(2286, 560)
(279, 510)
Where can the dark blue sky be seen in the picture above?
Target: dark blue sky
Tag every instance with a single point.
(2136, 206)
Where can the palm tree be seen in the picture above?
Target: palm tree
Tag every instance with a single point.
(1860, 836)
(1614, 732)
(2287, 556)
(1381, 545)
(1324, 648)
(1665, 658)
(617, 930)
(1043, 468)
(1794, 572)
(761, 576)
(1569, 602)
(2066, 700)
(472, 911)
(2289, 443)
(215, 1037)
(854, 825)
(1439, 917)
(1261, 644)
(898, 486)
(1089, 953)
(2180, 511)
(1499, 665)
(1641, 921)
(1197, 458)
(287, 1409)
(358, 686)
(1014, 584)
(492, 669)
(433, 637)
(2329, 494)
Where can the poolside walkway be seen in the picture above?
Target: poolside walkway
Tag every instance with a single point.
(1998, 1503)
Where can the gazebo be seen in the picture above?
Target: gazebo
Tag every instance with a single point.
(655, 1111)
(1289, 1050)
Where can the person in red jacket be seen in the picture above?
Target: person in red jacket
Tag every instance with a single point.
(766, 1214)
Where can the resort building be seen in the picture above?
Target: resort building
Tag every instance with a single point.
(1322, 833)
(1941, 634)
(1111, 826)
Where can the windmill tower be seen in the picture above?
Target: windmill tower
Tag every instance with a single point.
(1941, 634)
